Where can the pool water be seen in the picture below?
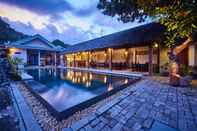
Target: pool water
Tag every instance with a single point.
(66, 88)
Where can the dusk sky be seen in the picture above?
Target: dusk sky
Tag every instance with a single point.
(71, 21)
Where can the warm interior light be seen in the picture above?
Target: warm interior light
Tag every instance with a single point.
(105, 79)
(109, 49)
(110, 87)
(12, 50)
(126, 81)
(126, 53)
(156, 45)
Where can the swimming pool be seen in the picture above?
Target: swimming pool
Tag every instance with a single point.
(66, 91)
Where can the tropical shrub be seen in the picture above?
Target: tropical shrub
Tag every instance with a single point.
(14, 62)
(5, 99)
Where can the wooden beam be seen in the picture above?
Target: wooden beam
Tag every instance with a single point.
(150, 60)
(74, 60)
(39, 63)
(88, 60)
(110, 58)
(158, 57)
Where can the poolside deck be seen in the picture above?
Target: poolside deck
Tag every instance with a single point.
(117, 72)
(147, 105)
(150, 105)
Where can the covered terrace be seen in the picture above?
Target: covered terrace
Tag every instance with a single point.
(137, 49)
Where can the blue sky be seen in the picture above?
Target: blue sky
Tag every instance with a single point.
(71, 21)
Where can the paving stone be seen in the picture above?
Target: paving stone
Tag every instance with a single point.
(103, 119)
(117, 127)
(82, 129)
(106, 107)
(79, 124)
(106, 128)
(137, 126)
(67, 129)
(148, 123)
(112, 123)
(88, 128)
(99, 126)
(151, 101)
(95, 122)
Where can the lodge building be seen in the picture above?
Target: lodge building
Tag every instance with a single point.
(139, 49)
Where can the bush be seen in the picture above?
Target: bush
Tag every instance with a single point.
(8, 123)
(5, 99)
(194, 71)
(185, 70)
(164, 69)
(15, 77)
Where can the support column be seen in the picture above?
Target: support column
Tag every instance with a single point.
(127, 55)
(150, 60)
(39, 63)
(61, 60)
(110, 58)
(88, 60)
(195, 59)
(74, 60)
(158, 58)
(55, 59)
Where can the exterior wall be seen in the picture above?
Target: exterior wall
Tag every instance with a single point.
(37, 43)
(164, 56)
(99, 56)
(119, 56)
(196, 55)
(20, 53)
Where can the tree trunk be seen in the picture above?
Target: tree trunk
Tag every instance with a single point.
(174, 65)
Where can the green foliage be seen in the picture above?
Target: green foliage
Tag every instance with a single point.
(14, 67)
(179, 16)
(4, 98)
(185, 70)
(9, 34)
(60, 43)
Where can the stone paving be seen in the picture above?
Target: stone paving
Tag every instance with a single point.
(149, 101)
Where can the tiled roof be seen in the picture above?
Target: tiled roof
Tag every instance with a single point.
(137, 36)
(22, 43)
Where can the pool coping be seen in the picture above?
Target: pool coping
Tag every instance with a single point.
(28, 121)
(106, 71)
(99, 71)
(70, 111)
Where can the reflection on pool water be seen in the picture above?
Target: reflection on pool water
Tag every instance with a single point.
(65, 88)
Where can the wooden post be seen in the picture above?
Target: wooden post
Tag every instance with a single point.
(110, 58)
(39, 58)
(150, 60)
(128, 57)
(55, 59)
(88, 59)
(158, 58)
(74, 64)
(61, 60)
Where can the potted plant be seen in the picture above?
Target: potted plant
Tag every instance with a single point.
(164, 69)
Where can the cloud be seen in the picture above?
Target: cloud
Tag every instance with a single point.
(70, 35)
(55, 8)
(71, 21)
(44, 7)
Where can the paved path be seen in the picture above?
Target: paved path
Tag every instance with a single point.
(150, 101)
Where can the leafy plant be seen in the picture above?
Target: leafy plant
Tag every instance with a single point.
(185, 70)
(5, 99)
(179, 16)
(14, 67)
